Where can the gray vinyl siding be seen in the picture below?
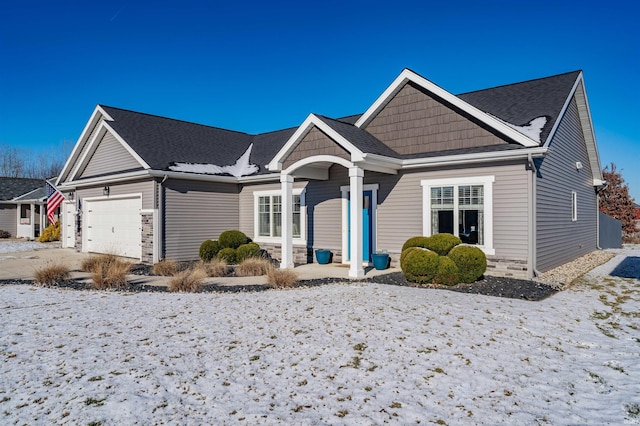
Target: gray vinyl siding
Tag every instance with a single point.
(559, 239)
(109, 157)
(324, 209)
(400, 206)
(8, 218)
(146, 188)
(414, 122)
(194, 212)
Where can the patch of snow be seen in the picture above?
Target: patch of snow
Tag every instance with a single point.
(242, 167)
(13, 246)
(533, 130)
(344, 353)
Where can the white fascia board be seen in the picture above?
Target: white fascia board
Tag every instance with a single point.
(312, 120)
(97, 114)
(407, 75)
(567, 102)
(84, 158)
(122, 177)
(473, 158)
(127, 147)
(595, 162)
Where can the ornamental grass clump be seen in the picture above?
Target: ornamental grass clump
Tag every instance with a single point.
(189, 281)
(52, 274)
(442, 243)
(111, 274)
(281, 278)
(215, 268)
(165, 268)
(420, 265)
(253, 267)
(471, 262)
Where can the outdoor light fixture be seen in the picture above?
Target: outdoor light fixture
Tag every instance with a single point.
(578, 165)
(105, 191)
(71, 194)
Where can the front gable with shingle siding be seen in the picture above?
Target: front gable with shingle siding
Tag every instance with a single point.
(315, 142)
(414, 122)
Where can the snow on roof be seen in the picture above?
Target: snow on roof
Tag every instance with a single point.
(533, 130)
(242, 167)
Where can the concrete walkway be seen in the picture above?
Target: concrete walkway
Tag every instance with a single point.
(22, 265)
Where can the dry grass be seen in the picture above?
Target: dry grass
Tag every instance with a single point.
(187, 281)
(253, 267)
(165, 268)
(111, 273)
(281, 278)
(52, 274)
(95, 261)
(215, 268)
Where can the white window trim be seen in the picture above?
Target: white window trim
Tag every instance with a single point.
(303, 216)
(486, 181)
(574, 206)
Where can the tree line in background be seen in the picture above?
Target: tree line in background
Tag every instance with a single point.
(616, 202)
(25, 163)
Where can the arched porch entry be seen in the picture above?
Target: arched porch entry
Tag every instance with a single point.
(317, 167)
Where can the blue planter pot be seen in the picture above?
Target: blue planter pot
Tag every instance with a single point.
(323, 256)
(380, 260)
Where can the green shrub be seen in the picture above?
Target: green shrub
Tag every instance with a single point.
(442, 243)
(228, 255)
(4, 234)
(208, 250)
(50, 233)
(471, 262)
(415, 242)
(247, 251)
(404, 254)
(447, 272)
(420, 265)
(232, 239)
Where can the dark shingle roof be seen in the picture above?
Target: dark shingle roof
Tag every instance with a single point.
(11, 188)
(361, 139)
(161, 141)
(519, 103)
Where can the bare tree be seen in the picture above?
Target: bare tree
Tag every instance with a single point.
(615, 200)
(16, 162)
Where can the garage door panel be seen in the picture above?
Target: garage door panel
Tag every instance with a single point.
(114, 226)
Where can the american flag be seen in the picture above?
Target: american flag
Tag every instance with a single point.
(54, 198)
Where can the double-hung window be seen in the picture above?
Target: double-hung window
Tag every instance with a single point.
(268, 215)
(462, 207)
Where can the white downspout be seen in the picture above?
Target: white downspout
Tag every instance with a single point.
(533, 246)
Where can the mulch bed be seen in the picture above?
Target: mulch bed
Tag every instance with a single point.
(487, 285)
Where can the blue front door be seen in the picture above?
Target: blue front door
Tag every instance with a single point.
(367, 225)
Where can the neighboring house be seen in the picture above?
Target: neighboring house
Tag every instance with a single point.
(22, 206)
(513, 169)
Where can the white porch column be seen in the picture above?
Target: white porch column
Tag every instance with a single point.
(287, 221)
(33, 221)
(355, 188)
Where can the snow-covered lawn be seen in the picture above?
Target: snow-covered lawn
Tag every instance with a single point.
(13, 246)
(337, 354)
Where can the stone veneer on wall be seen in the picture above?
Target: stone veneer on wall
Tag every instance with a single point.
(147, 238)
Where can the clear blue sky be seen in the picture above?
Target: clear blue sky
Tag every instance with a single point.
(261, 66)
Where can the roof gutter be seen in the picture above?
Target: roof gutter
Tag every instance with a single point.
(519, 154)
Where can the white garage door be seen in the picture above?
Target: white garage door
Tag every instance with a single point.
(114, 226)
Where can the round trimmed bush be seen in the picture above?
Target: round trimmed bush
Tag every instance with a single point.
(471, 262)
(4, 234)
(419, 241)
(208, 250)
(420, 265)
(228, 254)
(232, 239)
(442, 243)
(247, 251)
(447, 272)
(404, 254)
